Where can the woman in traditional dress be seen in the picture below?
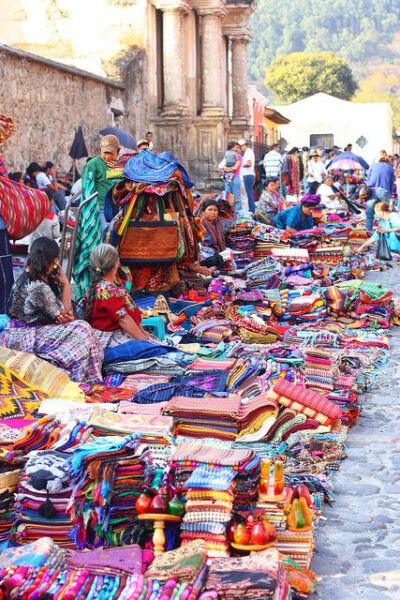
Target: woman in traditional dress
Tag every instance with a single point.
(214, 239)
(42, 319)
(108, 307)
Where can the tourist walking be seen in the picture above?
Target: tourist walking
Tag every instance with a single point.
(247, 172)
(315, 171)
(380, 179)
(231, 173)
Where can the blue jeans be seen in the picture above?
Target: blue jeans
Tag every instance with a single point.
(233, 186)
(377, 195)
(59, 199)
(248, 181)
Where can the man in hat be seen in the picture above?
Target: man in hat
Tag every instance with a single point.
(94, 174)
(315, 171)
(92, 221)
(143, 145)
(299, 217)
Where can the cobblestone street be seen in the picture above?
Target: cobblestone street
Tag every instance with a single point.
(358, 545)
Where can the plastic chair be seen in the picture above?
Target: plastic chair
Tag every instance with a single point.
(157, 326)
(4, 319)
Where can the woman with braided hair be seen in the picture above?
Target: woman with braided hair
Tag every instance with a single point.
(42, 318)
(109, 308)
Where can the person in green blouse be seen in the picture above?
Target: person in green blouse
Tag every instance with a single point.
(95, 170)
(92, 221)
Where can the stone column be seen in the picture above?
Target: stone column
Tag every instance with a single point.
(240, 112)
(174, 76)
(211, 49)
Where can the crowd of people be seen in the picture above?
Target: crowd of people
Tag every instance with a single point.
(211, 340)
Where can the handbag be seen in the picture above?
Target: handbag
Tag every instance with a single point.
(382, 251)
(150, 241)
(22, 208)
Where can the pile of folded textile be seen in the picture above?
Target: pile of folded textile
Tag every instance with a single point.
(291, 257)
(306, 402)
(319, 369)
(183, 570)
(249, 577)
(153, 430)
(8, 484)
(42, 498)
(108, 476)
(223, 418)
(298, 545)
(265, 272)
(42, 553)
(188, 456)
(240, 240)
(42, 571)
(327, 255)
(205, 417)
(305, 307)
(209, 494)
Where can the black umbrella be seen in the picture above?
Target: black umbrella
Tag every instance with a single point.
(126, 139)
(78, 148)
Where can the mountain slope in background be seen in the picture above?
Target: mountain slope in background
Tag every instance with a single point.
(365, 32)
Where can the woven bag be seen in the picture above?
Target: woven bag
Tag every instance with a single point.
(22, 208)
(150, 241)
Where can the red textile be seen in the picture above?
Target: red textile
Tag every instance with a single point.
(110, 305)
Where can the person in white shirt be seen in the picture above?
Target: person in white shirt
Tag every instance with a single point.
(272, 162)
(315, 171)
(330, 196)
(247, 172)
(47, 178)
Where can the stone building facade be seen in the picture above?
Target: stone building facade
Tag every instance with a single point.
(48, 101)
(176, 67)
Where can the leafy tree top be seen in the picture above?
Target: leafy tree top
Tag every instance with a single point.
(295, 76)
(362, 31)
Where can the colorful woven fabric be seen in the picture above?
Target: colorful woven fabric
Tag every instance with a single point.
(38, 375)
(291, 395)
(89, 236)
(23, 208)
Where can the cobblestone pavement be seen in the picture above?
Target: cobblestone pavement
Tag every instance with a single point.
(357, 553)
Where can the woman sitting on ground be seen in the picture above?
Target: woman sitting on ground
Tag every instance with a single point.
(389, 225)
(299, 217)
(43, 321)
(109, 308)
(269, 203)
(214, 240)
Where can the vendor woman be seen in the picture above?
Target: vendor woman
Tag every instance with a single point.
(42, 318)
(109, 308)
(214, 239)
(298, 217)
(389, 225)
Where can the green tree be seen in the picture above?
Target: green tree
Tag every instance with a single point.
(300, 74)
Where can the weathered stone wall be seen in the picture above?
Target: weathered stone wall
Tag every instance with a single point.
(49, 101)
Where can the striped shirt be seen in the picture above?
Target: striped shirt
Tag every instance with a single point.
(272, 163)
